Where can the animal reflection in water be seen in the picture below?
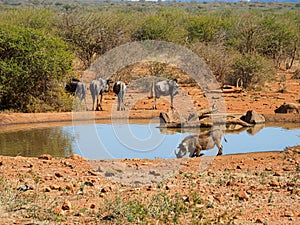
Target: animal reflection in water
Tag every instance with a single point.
(194, 144)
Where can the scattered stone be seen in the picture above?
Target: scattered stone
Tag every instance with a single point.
(92, 173)
(75, 157)
(288, 214)
(109, 174)
(277, 174)
(78, 214)
(259, 220)
(57, 174)
(54, 187)
(69, 187)
(88, 183)
(47, 189)
(45, 157)
(243, 195)
(219, 198)
(154, 173)
(274, 183)
(66, 205)
(105, 189)
(239, 167)
(268, 169)
(229, 183)
(92, 206)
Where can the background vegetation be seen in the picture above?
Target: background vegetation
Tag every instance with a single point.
(239, 41)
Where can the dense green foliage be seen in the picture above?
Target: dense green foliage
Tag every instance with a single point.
(245, 41)
(31, 65)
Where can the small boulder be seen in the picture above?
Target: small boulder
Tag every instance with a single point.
(243, 195)
(170, 117)
(45, 157)
(253, 117)
(66, 205)
(288, 108)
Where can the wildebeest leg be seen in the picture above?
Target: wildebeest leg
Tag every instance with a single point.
(99, 106)
(101, 97)
(93, 98)
(171, 96)
(154, 104)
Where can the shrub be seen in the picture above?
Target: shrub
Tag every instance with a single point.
(251, 70)
(31, 66)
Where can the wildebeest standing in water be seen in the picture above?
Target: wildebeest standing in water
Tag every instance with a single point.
(165, 88)
(119, 89)
(78, 88)
(99, 87)
(194, 144)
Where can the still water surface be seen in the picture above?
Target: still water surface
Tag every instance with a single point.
(134, 140)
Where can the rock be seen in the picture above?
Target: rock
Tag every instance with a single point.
(66, 205)
(219, 198)
(88, 183)
(57, 174)
(277, 174)
(105, 189)
(253, 117)
(288, 214)
(47, 189)
(288, 108)
(259, 220)
(274, 183)
(243, 195)
(54, 187)
(45, 157)
(75, 157)
(69, 187)
(170, 117)
(229, 183)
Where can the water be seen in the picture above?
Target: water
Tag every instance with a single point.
(134, 140)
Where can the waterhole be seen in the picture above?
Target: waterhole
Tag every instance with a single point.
(138, 139)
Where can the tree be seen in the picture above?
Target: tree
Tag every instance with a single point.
(92, 34)
(252, 69)
(31, 66)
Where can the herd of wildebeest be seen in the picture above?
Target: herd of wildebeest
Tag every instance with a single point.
(191, 145)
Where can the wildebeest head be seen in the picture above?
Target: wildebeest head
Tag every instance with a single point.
(71, 87)
(107, 85)
(175, 88)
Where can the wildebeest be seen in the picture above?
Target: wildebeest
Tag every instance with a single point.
(193, 144)
(78, 88)
(119, 89)
(98, 87)
(165, 88)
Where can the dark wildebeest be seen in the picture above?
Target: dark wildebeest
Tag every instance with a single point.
(193, 144)
(165, 88)
(119, 89)
(78, 88)
(98, 87)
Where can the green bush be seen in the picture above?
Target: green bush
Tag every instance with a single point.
(31, 66)
(252, 70)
